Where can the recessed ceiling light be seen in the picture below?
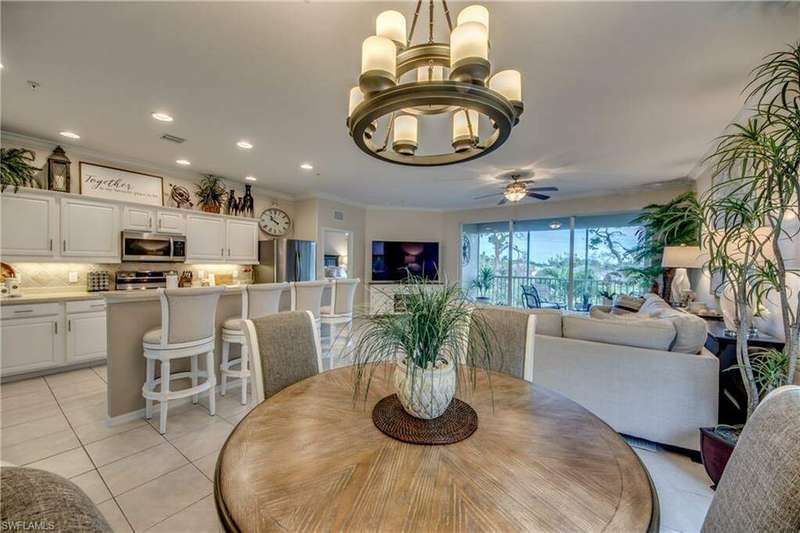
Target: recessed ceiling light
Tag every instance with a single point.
(69, 134)
(183, 162)
(244, 144)
(307, 166)
(249, 178)
(163, 117)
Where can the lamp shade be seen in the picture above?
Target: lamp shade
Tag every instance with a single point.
(469, 40)
(682, 257)
(508, 83)
(392, 25)
(356, 97)
(461, 128)
(405, 129)
(474, 13)
(378, 53)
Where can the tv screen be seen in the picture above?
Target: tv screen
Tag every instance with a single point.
(394, 261)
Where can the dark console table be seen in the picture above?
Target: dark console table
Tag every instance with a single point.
(732, 394)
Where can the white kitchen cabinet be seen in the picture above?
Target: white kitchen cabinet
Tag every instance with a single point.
(242, 241)
(138, 219)
(170, 222)
(90, 230)
(29, 225)
(205, 238)
(32, 338)
(86, 331)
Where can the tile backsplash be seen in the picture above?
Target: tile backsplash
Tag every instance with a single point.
(56, 275)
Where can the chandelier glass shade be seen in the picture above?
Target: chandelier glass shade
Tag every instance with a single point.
(402, 83)
(515, 191)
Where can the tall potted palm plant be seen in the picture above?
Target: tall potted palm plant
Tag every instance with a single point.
(746, 215)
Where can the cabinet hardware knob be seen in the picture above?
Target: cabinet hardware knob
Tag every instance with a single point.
(69, 325)
(55, 324)
(65, 245)
(51, 245)
(23, 311)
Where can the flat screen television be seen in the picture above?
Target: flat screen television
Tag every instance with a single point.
(394, 260)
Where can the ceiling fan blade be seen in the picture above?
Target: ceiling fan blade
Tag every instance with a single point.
(501, 202)
(542, 188)
(538, 196)
(487, 196)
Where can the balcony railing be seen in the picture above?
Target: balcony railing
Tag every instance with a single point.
(556, 290)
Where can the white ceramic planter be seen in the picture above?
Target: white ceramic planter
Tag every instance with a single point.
(425, 393)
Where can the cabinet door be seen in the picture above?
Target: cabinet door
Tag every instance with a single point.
(242, 241)
(31, 343)
(169, 222)
(205, 238)
(137, 219)
(29, 226)
(89, 229)
(86, 336)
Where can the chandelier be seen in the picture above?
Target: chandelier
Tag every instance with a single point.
(445, 79)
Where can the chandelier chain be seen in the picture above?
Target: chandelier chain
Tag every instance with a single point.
(430, 21)
(447, 16)
(472, 134)
(414, 22)
(389, 130)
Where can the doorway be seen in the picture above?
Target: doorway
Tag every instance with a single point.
(337, 254)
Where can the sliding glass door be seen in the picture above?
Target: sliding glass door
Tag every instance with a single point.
(569, 262)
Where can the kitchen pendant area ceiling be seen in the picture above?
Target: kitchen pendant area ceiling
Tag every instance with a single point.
(617, 95)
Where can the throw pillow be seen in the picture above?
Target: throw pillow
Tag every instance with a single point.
(624, 304)
(653, 334)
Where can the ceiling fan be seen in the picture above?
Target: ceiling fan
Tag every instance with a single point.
(519, 189)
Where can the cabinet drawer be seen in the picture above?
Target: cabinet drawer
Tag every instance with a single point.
(86, 306)
(29, 310)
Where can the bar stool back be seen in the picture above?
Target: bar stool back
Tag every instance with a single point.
(187, 330)
(257, 300)
(307, 296)
(340, 311)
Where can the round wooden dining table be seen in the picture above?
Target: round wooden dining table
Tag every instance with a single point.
(310, 458)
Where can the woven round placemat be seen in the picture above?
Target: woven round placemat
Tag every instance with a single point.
(458, 422)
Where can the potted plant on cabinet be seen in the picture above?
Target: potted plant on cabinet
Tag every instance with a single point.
(16, 169)
(429, 343)
(210, 193)
(750, 208)
(483, 284)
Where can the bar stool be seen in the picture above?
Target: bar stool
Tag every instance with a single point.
(187, 330)
(307, 296)
(340, 311)
(257, 300)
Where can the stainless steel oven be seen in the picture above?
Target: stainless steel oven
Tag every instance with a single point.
(145, 247)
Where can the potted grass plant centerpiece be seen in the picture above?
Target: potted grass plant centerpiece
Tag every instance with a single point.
(428, 346)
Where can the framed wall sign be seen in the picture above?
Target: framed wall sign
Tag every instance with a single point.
(112, 183)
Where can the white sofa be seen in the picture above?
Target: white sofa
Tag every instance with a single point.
(644, 390)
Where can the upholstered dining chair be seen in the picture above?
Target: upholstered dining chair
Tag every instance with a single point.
(307, 296)
(760, 488)
(284, 349)
(188, 330)
(512, 336)
(258, 299)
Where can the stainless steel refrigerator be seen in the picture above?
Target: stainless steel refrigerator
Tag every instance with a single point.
(286, 260)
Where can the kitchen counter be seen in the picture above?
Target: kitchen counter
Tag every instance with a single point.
(116, 297)
(48, 296)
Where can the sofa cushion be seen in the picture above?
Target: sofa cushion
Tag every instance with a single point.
(624, 304)
(690, 329)
(654, 334)
(653, 303)
(605, 313)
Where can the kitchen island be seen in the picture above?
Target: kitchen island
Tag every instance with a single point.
(129, 315)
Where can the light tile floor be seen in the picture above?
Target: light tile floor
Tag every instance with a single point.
(143, 481)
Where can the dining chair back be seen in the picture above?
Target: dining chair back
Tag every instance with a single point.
(510, 333)
(284, 348)
(759, 488)
(307, 296)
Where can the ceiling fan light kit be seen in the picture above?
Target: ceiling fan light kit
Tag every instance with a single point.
(450, 78)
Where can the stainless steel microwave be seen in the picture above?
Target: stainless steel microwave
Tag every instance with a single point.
(145, 247)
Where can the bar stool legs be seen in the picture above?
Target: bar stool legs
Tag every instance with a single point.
(151, 377)
(212, 405)
(228, 338)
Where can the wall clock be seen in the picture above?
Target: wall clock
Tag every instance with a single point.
(275, 222)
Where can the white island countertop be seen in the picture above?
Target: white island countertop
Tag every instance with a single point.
(41, 295)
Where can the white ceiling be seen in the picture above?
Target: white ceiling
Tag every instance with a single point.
(617, 95)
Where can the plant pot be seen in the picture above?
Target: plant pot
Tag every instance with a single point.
(716, 450)
(425, 393)
(210, 208)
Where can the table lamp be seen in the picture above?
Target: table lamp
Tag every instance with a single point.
(680, 258)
